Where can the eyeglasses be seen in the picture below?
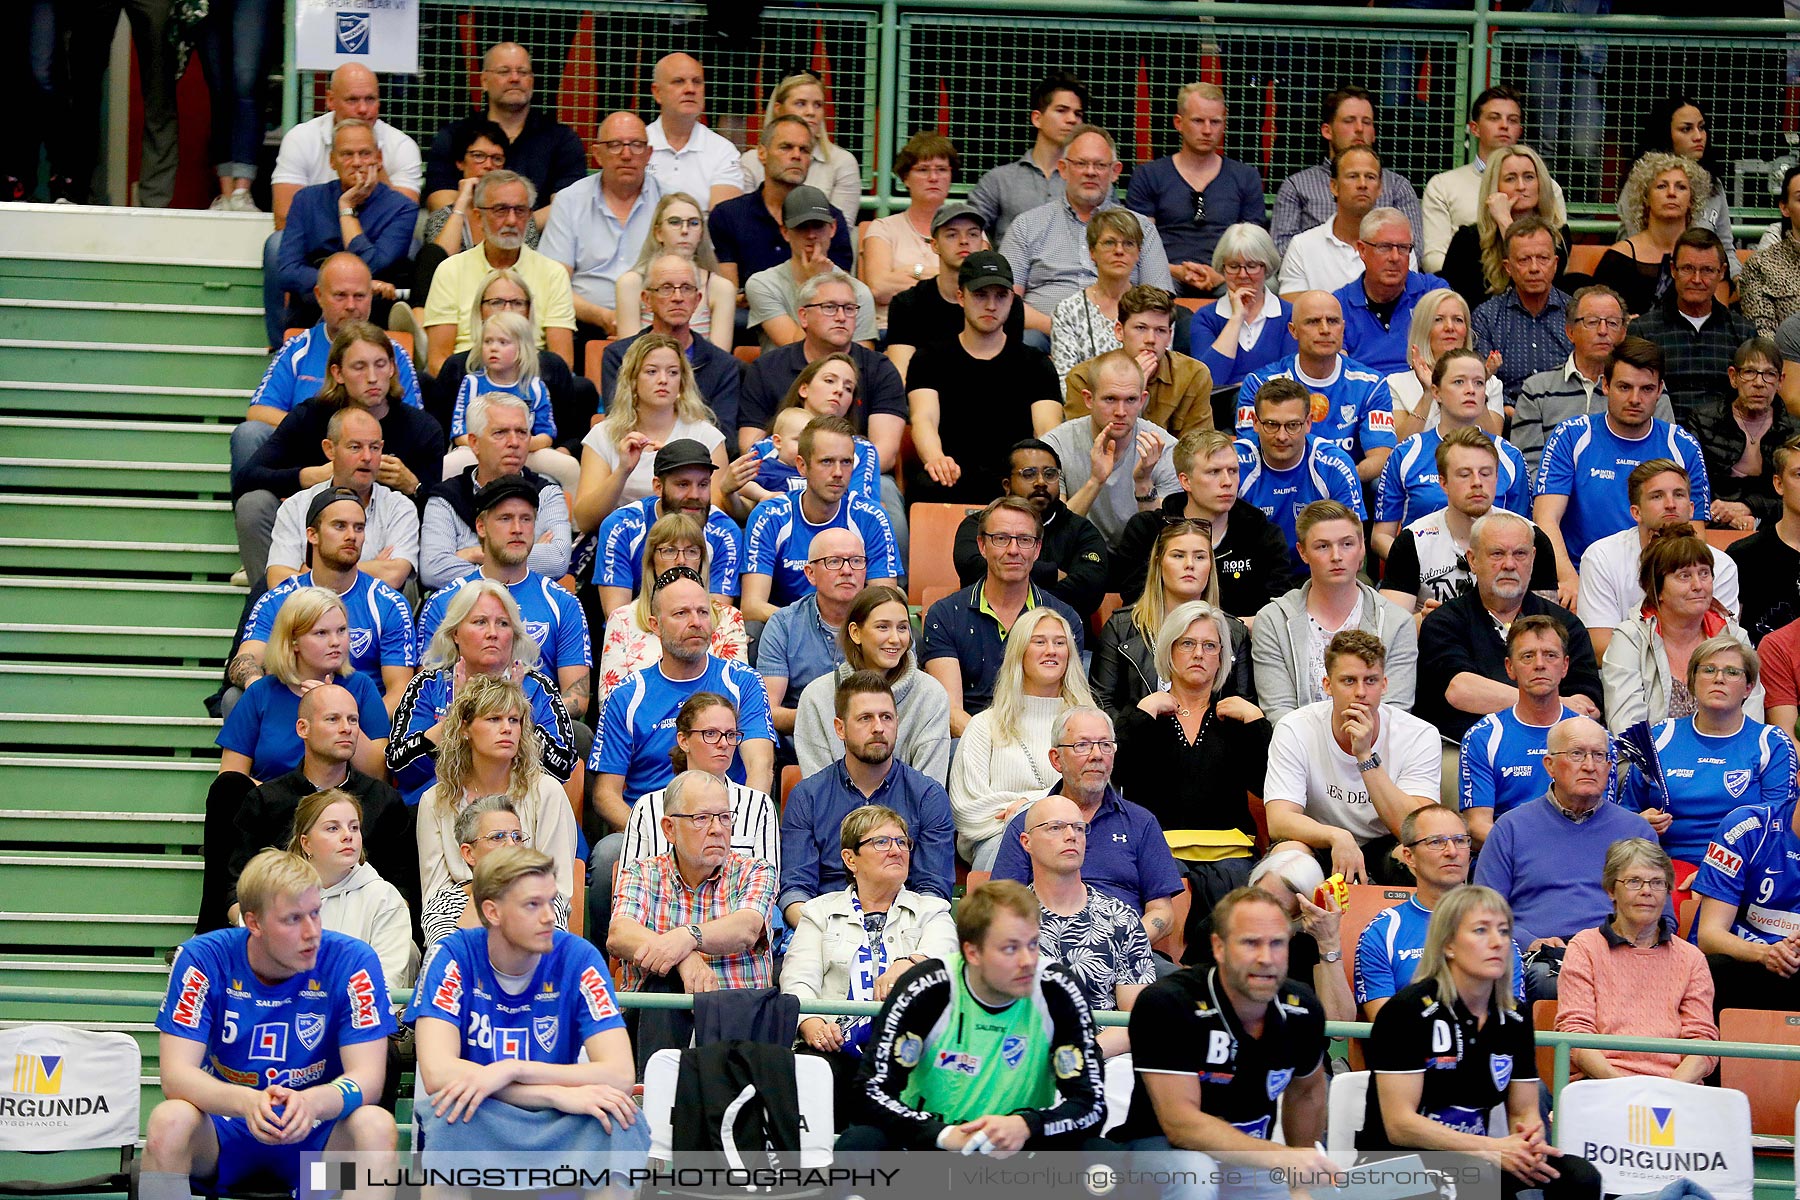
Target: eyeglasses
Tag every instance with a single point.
(680, 553)
(713, 737)
(517, 837)
(1600, 322)
(1087, 746)
(510, 72)
(1087, 165)
(1032, 474)
(682, 222)
(1114, 243)
(1644, 885)
(1005, 541)
(1390, 247)
(505, 302)
(1058, 828)
(702, 821)
(1696, 271)
(837, 562)
(1579, 757)
(1440, 842)
(1189, 645)
(1245, 268)
(668, 291)
(833, 309)
(1760, 374)
(885, 842)
(1709, 671)
(494, 157)
(1284, 426)
(507, 210)
(624, 145)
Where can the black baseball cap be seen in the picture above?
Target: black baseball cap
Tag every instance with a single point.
(326, 499)
(682, 452)
(957, 212)
(507, 487)
(984, 268)
(805, 206)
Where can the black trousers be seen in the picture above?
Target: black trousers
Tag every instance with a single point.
(1738, 984)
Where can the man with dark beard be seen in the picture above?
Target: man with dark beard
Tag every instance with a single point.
(1073, 561)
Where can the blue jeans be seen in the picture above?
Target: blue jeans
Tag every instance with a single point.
(247, 437)
(1562, 86)
(274, 295)
(1211, 1179)
(232, 45)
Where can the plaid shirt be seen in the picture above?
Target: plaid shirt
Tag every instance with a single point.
(1527, 344)
(1305, 201)
(1694, 360)
(652, 893)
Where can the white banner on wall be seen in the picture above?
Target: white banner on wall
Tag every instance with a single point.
(1642, 1132)
(382, 35)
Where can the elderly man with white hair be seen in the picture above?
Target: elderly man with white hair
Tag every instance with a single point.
(1545, 856)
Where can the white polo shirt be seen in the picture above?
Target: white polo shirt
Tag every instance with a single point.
(706, 162)
(1610, 595)
(1316, 261)
(305, 155)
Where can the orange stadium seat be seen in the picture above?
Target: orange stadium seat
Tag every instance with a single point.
(596, 350)
(748, 354)
(790, 775)
(932, 542)
(1543, 1016)
(1584, 258)
(1770, 1083)
(1367, 901)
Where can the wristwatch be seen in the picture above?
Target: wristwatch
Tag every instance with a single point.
(1331, 956)
(694, 932)
(1370, 763)
(346, 212)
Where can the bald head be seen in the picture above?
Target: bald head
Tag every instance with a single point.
(355, 93)
(327, 725)
(1317, 325)
(679, 89)
(622, 148)
(344, 291)
(1571, 732)
(1054, 851)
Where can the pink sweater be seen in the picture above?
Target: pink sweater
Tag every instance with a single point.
(1664, 991)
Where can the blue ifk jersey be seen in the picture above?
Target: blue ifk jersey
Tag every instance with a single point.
(620, 560)
(552, 616)
(637, 727)
(1324, 472)
(287, 1033)
(1709, 776)
(569, 999)
(1589, 463)
(380, 620)
(1502, 762)
(1409, 488)
(1753, 864)
(297, 373)
(535, 395)
(778, 541)
(777, 476)
(1388, 952)
(1358, 407)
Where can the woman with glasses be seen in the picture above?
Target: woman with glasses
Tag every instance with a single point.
(488, 749)
(897, 251)
(825, 387)
(1084, 323)
(853, 944)
(1193, 754)
(1125, 671)
(678, 227)
(1648, 673)
(1632, 976)
(355, 899)
(1248, 328)
(482, 827)
(833, 169)
(1715, 759)
(706, 739)
(627, 644)
(1003, 761)
(477, 147)
(656, 402)
(1739, 435)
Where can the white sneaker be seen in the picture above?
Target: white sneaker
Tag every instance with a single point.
(238, 201)
(240, 578)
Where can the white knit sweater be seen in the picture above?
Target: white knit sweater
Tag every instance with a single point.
(986, 778)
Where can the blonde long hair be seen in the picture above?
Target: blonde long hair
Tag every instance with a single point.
(622, 414)
(1549, 207)
(486, 696)
(653, 249)
(822, 143)
(1446, 919)
(1009, 684)
(442, 651)
(1153, 604)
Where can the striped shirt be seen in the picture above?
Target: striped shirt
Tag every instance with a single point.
(652, 893)
(1011, 190)
(755, 826)
(1047, 250)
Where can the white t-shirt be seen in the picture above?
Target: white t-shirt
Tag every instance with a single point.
(1610, 595)
(638, 483)
(305, 155)
(1320, 637)
(391, 520)
(1308, 768)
